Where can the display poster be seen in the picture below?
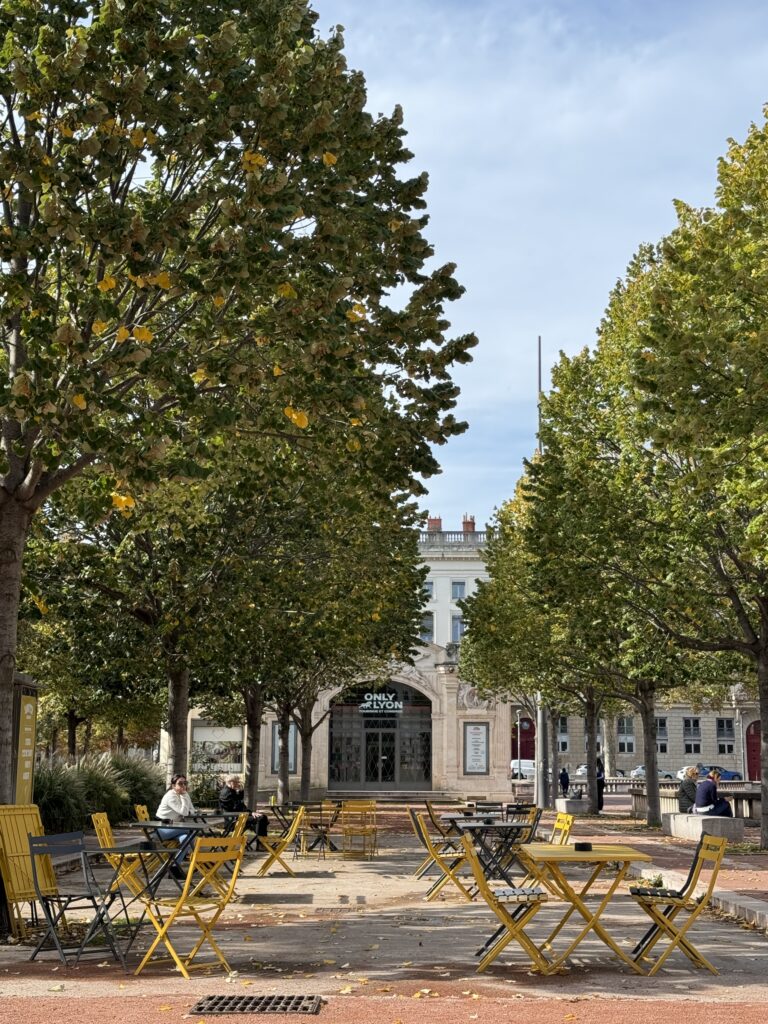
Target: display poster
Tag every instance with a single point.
(476, 748)
(216, 749)
(25, 763)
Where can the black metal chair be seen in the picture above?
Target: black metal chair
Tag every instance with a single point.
(78, 888)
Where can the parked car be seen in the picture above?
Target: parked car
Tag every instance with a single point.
(704, 769)
(581, 770)
(638, 772)
(522, 769)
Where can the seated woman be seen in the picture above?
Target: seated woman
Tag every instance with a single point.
(686, 793)
(175, 806)
(707, 800)
(231, 800)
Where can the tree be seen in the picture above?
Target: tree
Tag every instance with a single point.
(201, 226)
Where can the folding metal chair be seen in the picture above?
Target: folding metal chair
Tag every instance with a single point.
(142, 812)
(277, 845)
(514, 906)
(448, 861)
(77, 889)
(208, 888)
(664, 906)
(359, 833)
(17, 823)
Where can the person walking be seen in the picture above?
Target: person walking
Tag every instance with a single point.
(565, 780)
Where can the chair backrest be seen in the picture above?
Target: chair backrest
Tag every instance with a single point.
(104, 832)
(17, 823)
(420, 825)
(60, 850)
(561, 830)
(296, 823)
(477, 869)
(240, 822)
(358, 814)
(417, 827)
(531, 820)
(331, 810)
(709, 854)
(215, 862)
(437, 825)
(142, 812)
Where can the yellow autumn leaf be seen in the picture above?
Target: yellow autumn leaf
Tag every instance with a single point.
(356, 314)
(122, 501)
(301, 419)
(79, 401)
(329, 159)
(42, 607)
(346, 990)
(375, 616)
(66, 131)
(162, 280)
(353, 445)
(251, 161)
(98, 327)
(107, 283)
(21, 385)
(123, 334)
(276, 371)
(286, 290)
(218, 301)
(151, 137)
(137, 137)
(200, 376)
(355, 422)
(142, 334)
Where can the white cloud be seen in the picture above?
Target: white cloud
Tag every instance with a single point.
(556, 135)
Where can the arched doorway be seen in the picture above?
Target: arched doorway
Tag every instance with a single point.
(380, 738)
(753, 751)
(527, 740)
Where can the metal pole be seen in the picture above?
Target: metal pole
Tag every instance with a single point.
(541, 753)
(518, 745)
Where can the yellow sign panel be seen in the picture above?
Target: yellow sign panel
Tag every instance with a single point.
(25, 769)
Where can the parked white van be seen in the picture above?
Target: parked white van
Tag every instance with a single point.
(522, 769)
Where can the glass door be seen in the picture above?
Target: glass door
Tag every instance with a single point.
(380, 747)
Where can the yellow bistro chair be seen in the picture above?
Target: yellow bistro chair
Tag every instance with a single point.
(132, 870)
(277, 845)
(514, 906)
(208, 888)
(561, 830)
(17, 823)
(142, 812)
(359, 832)
(449, 861)
(664, 906)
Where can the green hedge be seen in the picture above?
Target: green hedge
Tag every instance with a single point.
(67, 794)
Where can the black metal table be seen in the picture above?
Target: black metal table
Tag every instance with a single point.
(496, 843)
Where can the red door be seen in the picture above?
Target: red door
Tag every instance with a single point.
(527, 740)
(753, 751)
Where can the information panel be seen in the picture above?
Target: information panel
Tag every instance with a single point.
(476, 748)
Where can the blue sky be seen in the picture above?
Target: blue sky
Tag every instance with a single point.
(556, 136)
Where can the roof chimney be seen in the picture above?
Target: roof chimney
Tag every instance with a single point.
(434, 524)
(468, 524)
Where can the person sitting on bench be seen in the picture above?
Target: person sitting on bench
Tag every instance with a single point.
(707, 800)
(231, 800)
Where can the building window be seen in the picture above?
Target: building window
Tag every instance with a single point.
(429, 590)
(693, 748)
(291, 749)
(458, 590)
(427, 632)
(661, 736)
(691, 731)
(562, 734)
(625, 728)
(725, 735)
(457, 629)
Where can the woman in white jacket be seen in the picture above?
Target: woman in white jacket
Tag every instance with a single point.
(175, 806)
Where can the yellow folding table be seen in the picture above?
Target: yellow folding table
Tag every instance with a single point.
(551, 864)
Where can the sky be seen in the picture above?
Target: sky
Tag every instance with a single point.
(556, 136)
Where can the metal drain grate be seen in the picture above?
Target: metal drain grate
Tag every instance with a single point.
(257, 1004)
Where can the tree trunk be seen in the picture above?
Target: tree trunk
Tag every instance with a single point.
(762, 682)
(87, 737)
(590, 714)
(283, 735)
(14, 524)
(554, 755)
(254, 712)
(610, 745)
(647, 706)
(120, 739)
(178, 714)
(306, 732)
(72, 723)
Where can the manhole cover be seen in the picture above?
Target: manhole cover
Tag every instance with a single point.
(257, 1004)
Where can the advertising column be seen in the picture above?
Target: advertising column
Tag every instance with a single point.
(24, 737)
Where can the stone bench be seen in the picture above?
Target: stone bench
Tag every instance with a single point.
(693, 826)
(568, 806)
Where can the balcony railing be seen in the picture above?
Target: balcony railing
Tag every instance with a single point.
(439, 538)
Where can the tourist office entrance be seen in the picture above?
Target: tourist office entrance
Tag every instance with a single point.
(380, 740)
